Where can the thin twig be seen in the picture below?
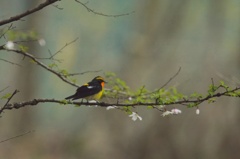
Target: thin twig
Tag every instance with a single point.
(10, 27)
(52, 55)
(103, 14)
(81, 73)
(170, 79)
(161, 110)
(4, 107)
(4, 89)
(25, 41)
(13, 63)
(164, 85)
(59, 51)
(56, 6)
(25, 54)
(14, 137)
(28, 12)
(212, 82)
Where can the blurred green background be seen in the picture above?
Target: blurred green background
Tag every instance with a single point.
(144, 48)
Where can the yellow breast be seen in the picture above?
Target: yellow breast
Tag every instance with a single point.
(98, 95)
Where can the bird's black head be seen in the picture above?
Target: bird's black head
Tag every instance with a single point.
(99, 79)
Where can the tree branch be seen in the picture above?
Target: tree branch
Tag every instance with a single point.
(197, 101)
(43, 66)
(10, 62)
(4, 89)
(20, 135)
(57, 52)
(81, 73)
(71, 42)
(4, 107)
(10, 27)
(28, 12)
(102, 14)
(171, 78)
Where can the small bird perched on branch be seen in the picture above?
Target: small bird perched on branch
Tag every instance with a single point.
(92, 90)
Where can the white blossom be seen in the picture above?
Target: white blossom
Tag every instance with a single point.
(42, 42)
(176, 111)
(162, 106)
(166, 113)
(197, 111)
(130, 98)
(135, 116)
(111, 107)
(93, 101)
(172, 112)
(9, 45)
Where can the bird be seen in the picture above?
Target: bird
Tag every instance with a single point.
(92, 90)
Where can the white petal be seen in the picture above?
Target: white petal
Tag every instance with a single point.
(131, 115)
(135, 116)
(42, 42)
(176, 111)
(92, 101)
(9, 45)
(111, 107)
(130, 98)
(162, 106)
(166, 113)
(140, 118)
(197, 111)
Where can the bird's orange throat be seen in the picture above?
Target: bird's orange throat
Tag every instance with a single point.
(102, 84)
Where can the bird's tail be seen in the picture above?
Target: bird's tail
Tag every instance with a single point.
(70, 97)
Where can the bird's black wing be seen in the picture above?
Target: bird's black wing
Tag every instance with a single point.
(86, 90)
